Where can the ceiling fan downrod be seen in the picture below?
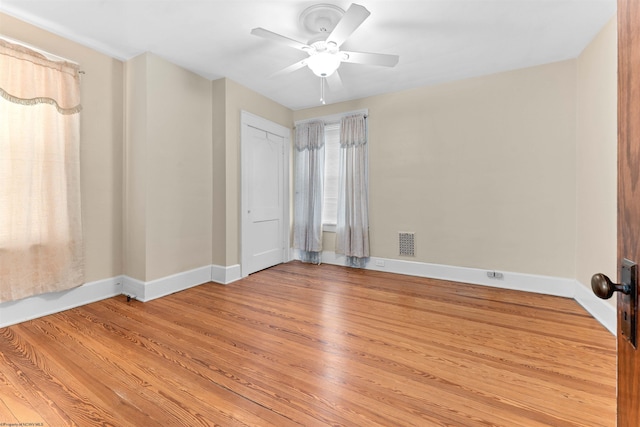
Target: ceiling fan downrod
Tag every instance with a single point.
(322, 79)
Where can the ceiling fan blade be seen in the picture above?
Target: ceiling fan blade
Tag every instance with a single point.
(381, 59)
(291, 68)
(352, 19)
(270, 35)
(335, 82)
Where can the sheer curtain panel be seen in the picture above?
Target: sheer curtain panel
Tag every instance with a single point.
(352, 228)
(308, 187)
(41, 246)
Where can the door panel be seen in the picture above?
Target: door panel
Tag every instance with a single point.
(265, 153)
(264, 198)
(628, 195)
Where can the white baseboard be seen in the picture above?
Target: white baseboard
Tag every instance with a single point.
(600, 309)
(133, 288)
(557, 286)
(517, 281)
(147, 291)
(13, 312)
(225, 275)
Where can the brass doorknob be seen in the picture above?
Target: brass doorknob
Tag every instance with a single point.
(604, 288)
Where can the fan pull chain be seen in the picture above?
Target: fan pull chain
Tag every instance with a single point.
(322, 90)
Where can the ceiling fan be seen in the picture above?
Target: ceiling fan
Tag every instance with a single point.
(332, 27)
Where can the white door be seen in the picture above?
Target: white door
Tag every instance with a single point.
(265, 225)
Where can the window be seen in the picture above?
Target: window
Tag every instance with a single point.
(331, 167)
(331, 176)
(331, 187)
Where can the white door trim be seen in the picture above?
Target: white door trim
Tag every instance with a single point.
(251, 120)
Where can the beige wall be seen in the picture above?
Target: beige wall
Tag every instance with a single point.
(135, 160)
(100, 147)
(169, 167)
(482, 170)
(179, 208)
(219, 216)
(596, 155)
(236, 99)
(494, 172)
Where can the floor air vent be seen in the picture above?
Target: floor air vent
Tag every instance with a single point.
(407, 244)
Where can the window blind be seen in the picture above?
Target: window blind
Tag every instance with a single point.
(331, 175)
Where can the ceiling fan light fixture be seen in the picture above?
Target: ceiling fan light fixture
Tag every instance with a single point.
(323, 64)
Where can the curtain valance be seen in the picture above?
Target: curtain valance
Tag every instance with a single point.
(353, 131)
(309, 136)
(30, 78)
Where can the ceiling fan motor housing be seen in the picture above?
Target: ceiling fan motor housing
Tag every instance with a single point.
(321, 18)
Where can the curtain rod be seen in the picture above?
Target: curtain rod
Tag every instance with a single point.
(48, 55)
(333, 117)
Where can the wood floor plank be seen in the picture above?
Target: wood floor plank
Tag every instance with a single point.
(13, 405)
(306, 345)
(199, 365)
(66, 378)
(173, 380)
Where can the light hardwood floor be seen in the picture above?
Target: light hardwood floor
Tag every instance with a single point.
(305, 345)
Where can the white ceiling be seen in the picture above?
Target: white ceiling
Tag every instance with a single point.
(437, 40)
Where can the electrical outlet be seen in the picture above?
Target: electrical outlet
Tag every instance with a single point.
(491, 274)
(498, 275)
(379, 263)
